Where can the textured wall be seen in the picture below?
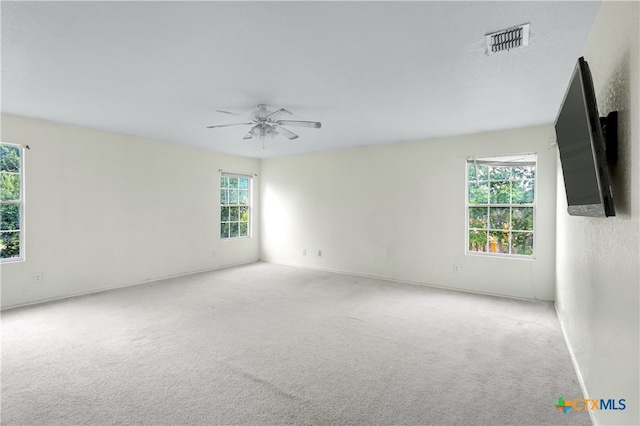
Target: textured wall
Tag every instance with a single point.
(598, 259)
(107, 210)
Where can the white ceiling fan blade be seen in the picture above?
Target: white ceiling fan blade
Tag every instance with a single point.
(314, 124)
(280, 111)
(286, 133)
(248, 136)
(229, 112)
(227, 125)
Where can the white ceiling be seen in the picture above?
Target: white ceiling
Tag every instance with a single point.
(371, 72)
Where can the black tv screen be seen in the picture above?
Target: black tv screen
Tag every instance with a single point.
(582, 148)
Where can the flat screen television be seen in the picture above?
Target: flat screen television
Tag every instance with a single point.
(587, 146)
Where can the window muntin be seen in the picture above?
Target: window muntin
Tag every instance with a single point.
(235, 206)
(11, 203)
(501, 205)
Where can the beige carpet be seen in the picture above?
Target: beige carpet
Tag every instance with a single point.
(269, 344)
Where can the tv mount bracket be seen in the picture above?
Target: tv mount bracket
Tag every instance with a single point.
(609, 126)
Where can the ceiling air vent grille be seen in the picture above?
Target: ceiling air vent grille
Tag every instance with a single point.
(511, 38)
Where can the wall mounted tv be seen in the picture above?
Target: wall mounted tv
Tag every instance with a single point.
(588, 145)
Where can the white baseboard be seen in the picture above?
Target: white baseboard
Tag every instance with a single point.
(576, 367)
(100, 290)
(441, 287)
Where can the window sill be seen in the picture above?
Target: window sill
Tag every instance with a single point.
(499, 255)
(235, 238)
(12, 260)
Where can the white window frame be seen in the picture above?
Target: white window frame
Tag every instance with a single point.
(249, 205)
(21, 204)
(508, 161)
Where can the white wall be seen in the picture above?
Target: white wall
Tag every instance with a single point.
(397, 211)
(598, 263)
(107, 210)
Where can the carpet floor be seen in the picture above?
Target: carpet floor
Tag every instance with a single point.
(266, 344)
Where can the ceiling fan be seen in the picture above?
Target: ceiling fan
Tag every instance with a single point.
(267, 122)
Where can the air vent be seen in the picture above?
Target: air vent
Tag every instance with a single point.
(511, 38)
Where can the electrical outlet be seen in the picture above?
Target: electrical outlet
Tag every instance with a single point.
(304, 252)
(319, 253)
(37, 277)
(456, 268)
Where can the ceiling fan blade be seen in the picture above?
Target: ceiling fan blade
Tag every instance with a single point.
(286, 133)
(229, 112)
(280, 111)
(248, 136)
(314, 124)
(227, 125)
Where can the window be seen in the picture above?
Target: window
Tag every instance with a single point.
(235, 205)
(11, 203)
(501, 205)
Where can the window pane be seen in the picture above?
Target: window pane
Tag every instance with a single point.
(524, 172)
(233, 196)
(482, 172)
(522, 191)
(224, 182)
(9, 159)
(243, 183)
(9, 216)
(224, 230)
(244, 214)
(243, 197)
(224, 214)
(498, 242)
(478, 194)
(9, 244)
(235, 229)
(233, 214)
(233, 182)
(499, 192)
(478, 217)
(244, 229)
(522, 243)
(499, 218)
(522, 219)
(500, 173)
(224, 196)
(9, 187)
(478, 241)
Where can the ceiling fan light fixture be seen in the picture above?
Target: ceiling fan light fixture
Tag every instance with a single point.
(271, 132)
(257, 132)
(262, 131)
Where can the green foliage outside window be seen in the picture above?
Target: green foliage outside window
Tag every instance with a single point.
(234, 206)
(501, 211)
(10, 201)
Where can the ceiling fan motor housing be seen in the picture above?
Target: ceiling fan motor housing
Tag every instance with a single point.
(260, 113)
